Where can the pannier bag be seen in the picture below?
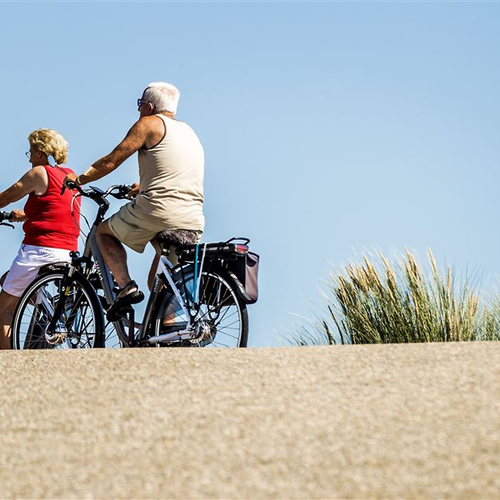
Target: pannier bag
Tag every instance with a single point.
(232, 256)
(246, 269)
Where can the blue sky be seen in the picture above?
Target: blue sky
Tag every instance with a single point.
(329, 128)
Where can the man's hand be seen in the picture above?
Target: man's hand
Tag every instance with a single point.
(134, 191)
(69, 178)
(17, 216)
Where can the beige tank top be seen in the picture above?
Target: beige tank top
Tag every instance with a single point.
(171, 178)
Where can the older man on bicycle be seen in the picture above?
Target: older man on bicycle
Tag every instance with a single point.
(169, 194)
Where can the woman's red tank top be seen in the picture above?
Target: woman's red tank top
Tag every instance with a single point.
(50, 220)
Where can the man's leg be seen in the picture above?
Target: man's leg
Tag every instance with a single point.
(152, 271)
(8, 304)
(114, 254)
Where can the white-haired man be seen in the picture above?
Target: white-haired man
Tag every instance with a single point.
(169, 194)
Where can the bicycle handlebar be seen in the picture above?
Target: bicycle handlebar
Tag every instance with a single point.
(94, 193)
(5, 215)
(123, 191)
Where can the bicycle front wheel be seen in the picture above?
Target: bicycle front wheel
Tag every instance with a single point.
(80, 325)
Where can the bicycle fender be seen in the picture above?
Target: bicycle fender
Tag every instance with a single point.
(238, 286)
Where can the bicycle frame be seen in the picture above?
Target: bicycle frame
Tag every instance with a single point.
(163, 270)
(165, 267)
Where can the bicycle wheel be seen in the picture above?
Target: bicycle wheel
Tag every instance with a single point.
(80, 325)
(115, 335)
(219, 320)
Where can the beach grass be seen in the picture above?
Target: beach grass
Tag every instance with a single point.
(379, 301)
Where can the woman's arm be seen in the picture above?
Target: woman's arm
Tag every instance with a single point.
(34, 180)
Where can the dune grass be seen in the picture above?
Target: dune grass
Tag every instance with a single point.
(380, 302)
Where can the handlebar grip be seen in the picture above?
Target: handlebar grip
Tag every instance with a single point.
(71, 185)
(5, 215)
(122, 191)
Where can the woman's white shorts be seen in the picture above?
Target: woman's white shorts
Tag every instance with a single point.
(26, 265)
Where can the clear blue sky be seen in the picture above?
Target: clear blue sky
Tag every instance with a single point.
(329, 128)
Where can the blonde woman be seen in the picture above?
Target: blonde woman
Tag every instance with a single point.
(51, 225)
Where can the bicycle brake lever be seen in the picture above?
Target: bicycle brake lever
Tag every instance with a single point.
(6, 224)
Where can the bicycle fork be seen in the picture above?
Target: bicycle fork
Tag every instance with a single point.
(51, 335)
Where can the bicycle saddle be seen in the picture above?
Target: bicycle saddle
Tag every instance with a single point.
(177, 237)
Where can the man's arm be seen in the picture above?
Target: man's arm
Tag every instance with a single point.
(31, 181)
(18, 216)
(134, 140)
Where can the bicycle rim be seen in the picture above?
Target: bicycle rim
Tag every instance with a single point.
(220, 319)
(115, 335)
(80, 324)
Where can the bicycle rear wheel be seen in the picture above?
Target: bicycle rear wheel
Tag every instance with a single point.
(80, 325)
(220, 318)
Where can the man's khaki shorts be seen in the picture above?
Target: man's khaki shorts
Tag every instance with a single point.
(133, 228)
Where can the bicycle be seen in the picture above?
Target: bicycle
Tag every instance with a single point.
(199, 302)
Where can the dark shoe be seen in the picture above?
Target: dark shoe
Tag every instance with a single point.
(128, 295)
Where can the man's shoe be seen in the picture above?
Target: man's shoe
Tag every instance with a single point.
(128, 295)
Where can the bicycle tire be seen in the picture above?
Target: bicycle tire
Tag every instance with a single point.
(216, 283)
(115, 333)
(81, 325)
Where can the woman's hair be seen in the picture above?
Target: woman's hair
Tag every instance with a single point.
(50, 142)
(164, 96)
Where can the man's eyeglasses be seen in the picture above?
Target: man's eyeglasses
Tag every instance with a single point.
(140, 102)
(28, 155)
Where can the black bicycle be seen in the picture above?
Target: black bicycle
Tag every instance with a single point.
(199, 302)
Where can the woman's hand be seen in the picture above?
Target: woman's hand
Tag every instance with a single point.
(134, 191)
(18, 216)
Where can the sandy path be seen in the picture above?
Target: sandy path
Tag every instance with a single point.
(348, 421)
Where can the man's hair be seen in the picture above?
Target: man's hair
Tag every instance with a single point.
(50, 142)
(163, 96)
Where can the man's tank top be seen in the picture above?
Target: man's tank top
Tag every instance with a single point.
(50, 223)
(171, 178)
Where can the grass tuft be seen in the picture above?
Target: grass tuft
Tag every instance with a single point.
(376, 302)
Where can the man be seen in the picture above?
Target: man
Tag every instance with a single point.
(169, 194)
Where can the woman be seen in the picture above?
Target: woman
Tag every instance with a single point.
(51, 226)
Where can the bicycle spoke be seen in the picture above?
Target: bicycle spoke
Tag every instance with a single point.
(220, 319)
(76, 326)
